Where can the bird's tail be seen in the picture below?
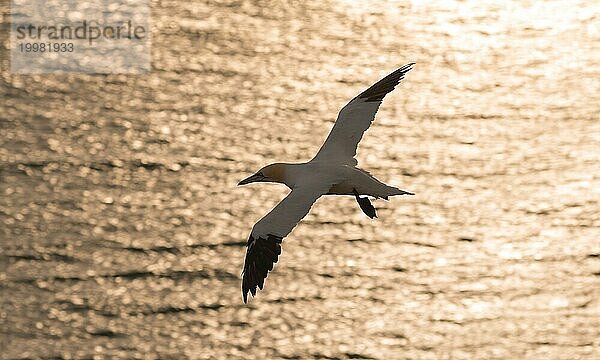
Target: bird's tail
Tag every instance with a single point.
(393, 191)
(402, 192)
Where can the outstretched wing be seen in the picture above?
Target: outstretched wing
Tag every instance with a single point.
(355, 118)
(264, 244)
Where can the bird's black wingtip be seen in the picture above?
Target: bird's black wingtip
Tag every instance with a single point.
(407, 67)
(251, 290)
(380, 89)
(245, 293)
(261, 254)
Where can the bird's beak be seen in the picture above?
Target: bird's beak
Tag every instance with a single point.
(251, 179)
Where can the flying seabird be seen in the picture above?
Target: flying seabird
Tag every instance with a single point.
(333, 171)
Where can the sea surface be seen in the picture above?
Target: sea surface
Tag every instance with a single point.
(123, 233)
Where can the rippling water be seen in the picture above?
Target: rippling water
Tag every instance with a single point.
(123, 231)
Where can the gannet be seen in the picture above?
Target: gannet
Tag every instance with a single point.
(333, 171)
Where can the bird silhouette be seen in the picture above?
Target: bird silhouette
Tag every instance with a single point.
(333, 171)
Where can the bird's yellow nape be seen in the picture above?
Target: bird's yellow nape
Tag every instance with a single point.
(274, 172)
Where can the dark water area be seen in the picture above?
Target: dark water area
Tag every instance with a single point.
(123, 232)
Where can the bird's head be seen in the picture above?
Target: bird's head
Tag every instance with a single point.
(270, 173)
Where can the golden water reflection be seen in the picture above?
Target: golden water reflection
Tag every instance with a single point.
(123, 231)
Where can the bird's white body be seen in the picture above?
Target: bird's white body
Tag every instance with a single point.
(332, 171)
(345, 178)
